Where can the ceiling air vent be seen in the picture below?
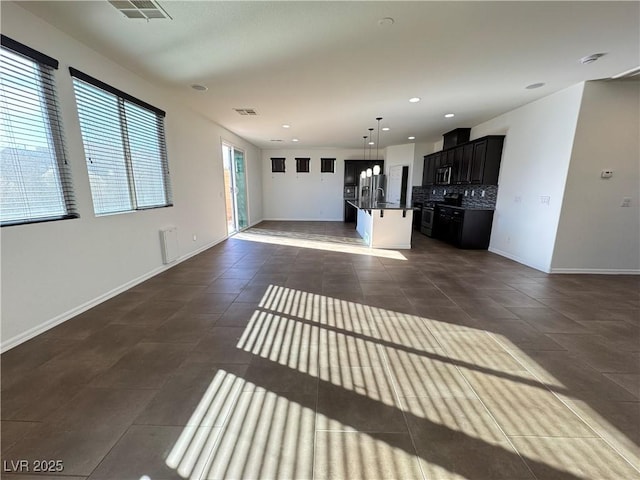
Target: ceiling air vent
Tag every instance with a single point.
(246, 111)
(145, 9)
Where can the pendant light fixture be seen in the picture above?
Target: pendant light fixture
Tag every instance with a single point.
(378, 140)
(364, 148)
(370, 141)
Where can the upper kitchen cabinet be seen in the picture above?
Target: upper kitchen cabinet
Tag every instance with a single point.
(485, 163)
(477, 161)
(351, 173)
(352, 169)
(455, 137)
(431, 164)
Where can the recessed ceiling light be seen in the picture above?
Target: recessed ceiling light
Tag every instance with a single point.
(411, 138)
(372, 143)
(286, 125)
(295, 140)
(386, 21)
(200, 88)
(414, 99)
(449, 115)
(534, 86)
(385, 129)
(591, 58)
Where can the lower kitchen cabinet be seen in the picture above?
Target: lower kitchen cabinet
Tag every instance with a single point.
(464, 228)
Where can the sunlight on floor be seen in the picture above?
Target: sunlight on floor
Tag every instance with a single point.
(397, 391)
(318, 242)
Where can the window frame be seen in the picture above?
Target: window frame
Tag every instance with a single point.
(327, 161)
(303, 165)
(123, 101)
(278, 165)
(46, 93)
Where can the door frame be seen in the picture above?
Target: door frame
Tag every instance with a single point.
(233, 147)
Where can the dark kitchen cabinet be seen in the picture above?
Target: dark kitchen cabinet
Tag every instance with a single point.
(429, 170)
(464, 228)
(464, 171)
(350, 173)
(485, 165)
(455, 137)
(476, 162)
(456, 166)
(352, 169)
(431, 164)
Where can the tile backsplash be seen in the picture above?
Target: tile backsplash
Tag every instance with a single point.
(471, 194)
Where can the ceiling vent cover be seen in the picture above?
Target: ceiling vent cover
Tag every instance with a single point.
(145, 9)
(246, 111)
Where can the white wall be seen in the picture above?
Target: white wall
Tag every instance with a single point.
(595, 233)
(535, 161)
(305, 196)
(51, 271)
(401, 155)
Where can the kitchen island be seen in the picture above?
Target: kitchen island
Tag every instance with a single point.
(384, 225)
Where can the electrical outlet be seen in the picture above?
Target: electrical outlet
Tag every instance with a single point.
(434, 192)
(466, 193)
(195, 237)
(482, 193)
(626, 202)
(473, 192)
(445, 192)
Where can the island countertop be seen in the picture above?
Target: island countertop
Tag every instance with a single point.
(379, 205)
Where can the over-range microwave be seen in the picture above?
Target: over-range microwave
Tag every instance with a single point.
(443, 176)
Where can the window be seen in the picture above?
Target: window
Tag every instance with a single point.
(277, 165)
(327, 165)
(302, 165)
(35, 179)
(124, 146)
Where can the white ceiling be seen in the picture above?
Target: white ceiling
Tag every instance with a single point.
(329, 68)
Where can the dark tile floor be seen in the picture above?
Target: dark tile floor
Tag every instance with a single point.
(291, 351)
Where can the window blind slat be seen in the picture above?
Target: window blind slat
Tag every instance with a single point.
(35, 178)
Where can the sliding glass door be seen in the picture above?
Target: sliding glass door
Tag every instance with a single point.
(235, 185)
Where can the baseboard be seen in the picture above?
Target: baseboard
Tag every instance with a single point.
(302, 219)
(63, 317)
(400, 246)
(597, 271)
(515, 258)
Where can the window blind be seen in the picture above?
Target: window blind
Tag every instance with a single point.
(277, 165)
(34, 174)
(125, 148)
(327, 165)
(302, 165)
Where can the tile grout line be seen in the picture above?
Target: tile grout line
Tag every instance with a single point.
(387, 368)
(489, 413)
(576, 413)
(446, 352)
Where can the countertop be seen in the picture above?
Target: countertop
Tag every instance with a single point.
(380, 205)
